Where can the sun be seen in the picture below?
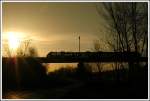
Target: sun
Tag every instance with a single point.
(13, 40)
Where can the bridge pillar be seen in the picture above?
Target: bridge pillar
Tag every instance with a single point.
(81, 70)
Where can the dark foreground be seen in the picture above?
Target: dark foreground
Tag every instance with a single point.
(81, 91)
(77, 83)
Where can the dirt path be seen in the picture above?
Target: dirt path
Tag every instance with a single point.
(54, 93)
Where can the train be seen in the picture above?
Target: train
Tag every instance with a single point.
(88, 54)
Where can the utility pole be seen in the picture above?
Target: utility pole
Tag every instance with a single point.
(79, 43)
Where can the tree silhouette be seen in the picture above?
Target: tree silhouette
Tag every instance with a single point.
(98, 47)
(128, 24)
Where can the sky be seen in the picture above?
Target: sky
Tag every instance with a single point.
(53, 26)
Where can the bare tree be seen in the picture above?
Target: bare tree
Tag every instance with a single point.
(97, 48)
(25, 49)
(128, 23)
(7, 50)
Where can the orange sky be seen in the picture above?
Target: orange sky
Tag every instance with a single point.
(53, 26)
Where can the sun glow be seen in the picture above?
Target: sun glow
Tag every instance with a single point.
(13, 41)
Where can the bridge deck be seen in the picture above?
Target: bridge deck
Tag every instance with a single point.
(73, 57)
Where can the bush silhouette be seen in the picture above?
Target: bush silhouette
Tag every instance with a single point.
(23, 72)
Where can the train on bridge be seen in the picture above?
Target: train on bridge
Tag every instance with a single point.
(94, 56)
